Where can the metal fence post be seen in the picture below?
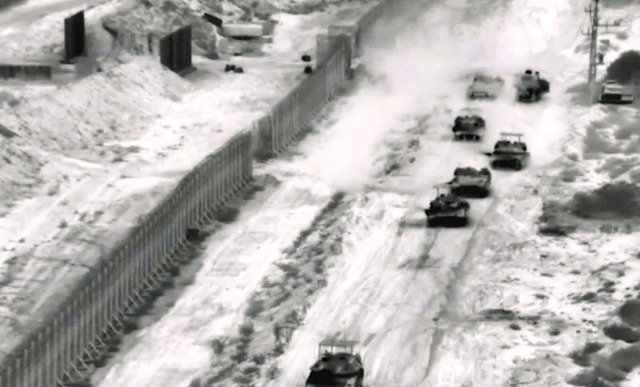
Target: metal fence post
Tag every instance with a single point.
(154, 252)
(237, 175)
(119, 283)
(147, 266)
(49, 339)
(38, 357)
(138, 261)
(83, 323)
(173, 226)
(198, 207)
(106, 292)
(191, 200)
(225, 175)
(219, 177)
(209, 184)
(26, 358)
(57, 346)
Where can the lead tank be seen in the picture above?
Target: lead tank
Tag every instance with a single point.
(337, 365)
(447, 209)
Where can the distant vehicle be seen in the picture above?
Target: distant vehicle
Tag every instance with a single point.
(447, 209)
(530, 87)
(337, 365)
(615, 93)
(470, 182)
(469, 125)
(510, 152)
(485, 87)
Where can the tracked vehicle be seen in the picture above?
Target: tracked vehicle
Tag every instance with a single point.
(337, 365)
(510, 152)
(530, 87)
(469, 125)
(471, 182)
(615, 93)
(447, 209)
(485, 87)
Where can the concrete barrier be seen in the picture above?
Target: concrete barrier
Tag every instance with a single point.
(25, 71)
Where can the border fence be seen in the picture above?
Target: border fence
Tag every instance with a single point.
(175, 50)
(74, 36)
(79, 332)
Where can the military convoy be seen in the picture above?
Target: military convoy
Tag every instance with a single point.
(509, 152)
(337, 365)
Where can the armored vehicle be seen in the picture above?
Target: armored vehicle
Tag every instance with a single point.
(337, 365)
(530, 87)
(469, 125)
(615, 93)
(470, 182)
(485, 87)
(447, 209)
(510, 152)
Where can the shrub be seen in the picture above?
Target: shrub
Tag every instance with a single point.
(246, 329)
(256, 306)
(623, 67)
(218, 346)
(273, 372)
(620, 199)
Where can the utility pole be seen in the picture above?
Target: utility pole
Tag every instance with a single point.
(593, 51)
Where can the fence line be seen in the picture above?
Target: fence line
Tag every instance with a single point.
(107, 297)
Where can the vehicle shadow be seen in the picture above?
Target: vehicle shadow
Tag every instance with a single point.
(413, 223)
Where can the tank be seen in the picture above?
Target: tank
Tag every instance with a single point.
(485, 87)
(469, 125)
(447, 209)
(615, 93)
(530, 87)
(337, 365)
(471, 182)
(510, 152)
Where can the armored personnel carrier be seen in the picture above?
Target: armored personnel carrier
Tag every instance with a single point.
(337, 365)
(485, 87)
(530, 87)
(469, 125)
(510, 152)
(615, 93)
(470, 182)
(447, 209)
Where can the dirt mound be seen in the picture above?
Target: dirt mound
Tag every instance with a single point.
(138, 30)
(630, 312)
